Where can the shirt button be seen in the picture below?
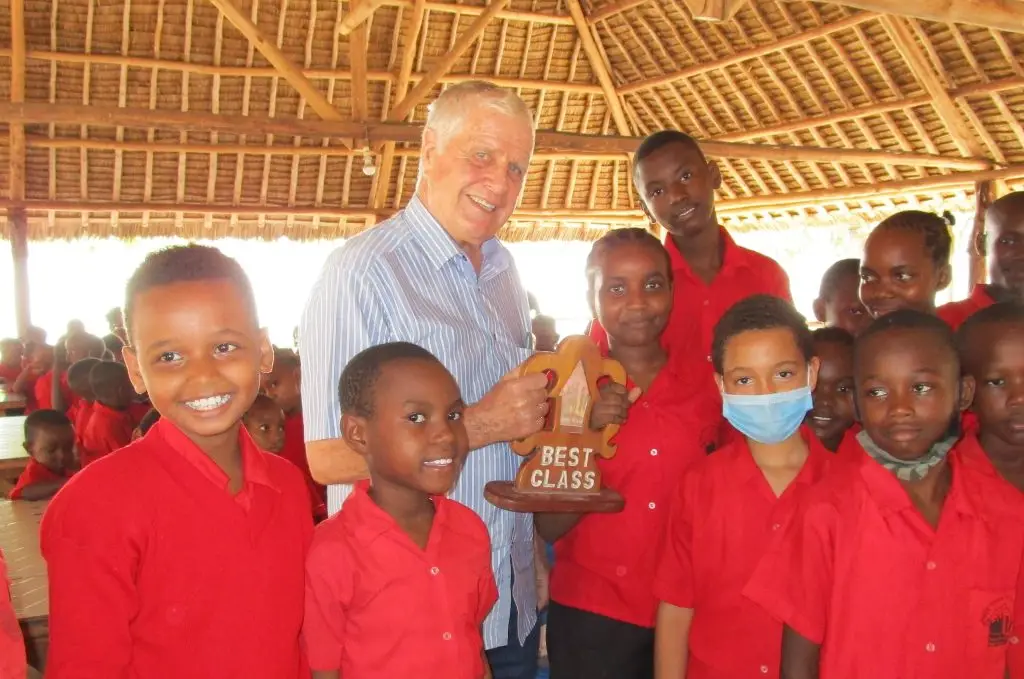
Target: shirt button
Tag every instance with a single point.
(447, 636)
(1014, 640)
(776, 526)
(764, 668)
(650, 505)
(654, 451)
(435, 570)
(709, 358)
(930, 647)
(646, 404)
(705, 302)
(620, 571)
(930, 565)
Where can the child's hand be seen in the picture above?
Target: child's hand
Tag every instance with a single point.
(612, 406)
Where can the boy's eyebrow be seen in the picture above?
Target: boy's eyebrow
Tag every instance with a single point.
(914, 372)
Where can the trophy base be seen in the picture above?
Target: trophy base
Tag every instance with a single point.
(505, 495)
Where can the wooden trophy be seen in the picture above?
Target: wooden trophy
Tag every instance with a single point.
(560, 473)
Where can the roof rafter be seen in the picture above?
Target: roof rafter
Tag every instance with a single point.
(1001, 15)
(598, 65)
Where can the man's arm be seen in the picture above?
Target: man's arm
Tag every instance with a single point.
(671, 641)
(799, 656)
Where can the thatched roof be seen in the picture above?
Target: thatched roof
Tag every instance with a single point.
(132, 122)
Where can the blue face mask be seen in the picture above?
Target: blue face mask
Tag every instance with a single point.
(767, 418)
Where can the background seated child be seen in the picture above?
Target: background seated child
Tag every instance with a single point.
(1001, 241)
(282, 384)
(81, 386)
(110, 423)
(77, 345)
(38, 361)
(50, 443)
(146, 423)
(833, 413)
(11, 352)
(903, 564)
(730, 505)
(838, 304)
(398, 583)
(905, 263)
(265, 423)
(545, 336)
(181, 555)
(991, 346)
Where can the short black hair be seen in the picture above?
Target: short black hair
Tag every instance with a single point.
(113, 344)
(113, 314)
(1000, 206)
(1001, 312)
(186, 263)
(151, 417)
(938, 240)
(94, 346)
(908, 319)
(41, 419)
(834, 335)
(261, 401)
(835, 273)
(615, 237)
(106, 376)
(759, 312)
(358, 379)
(79, 375)
(285, 358)
(657, 140)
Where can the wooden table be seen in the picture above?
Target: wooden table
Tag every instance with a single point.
(10, 401)
(19, 538)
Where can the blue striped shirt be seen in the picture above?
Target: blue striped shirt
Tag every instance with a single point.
(407, 280)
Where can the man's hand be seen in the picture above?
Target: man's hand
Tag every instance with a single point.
(514, 409)
(612, 406)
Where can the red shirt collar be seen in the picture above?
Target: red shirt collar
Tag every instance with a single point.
(731, 258)
(369, 521)
(814, 467)
(254, 464)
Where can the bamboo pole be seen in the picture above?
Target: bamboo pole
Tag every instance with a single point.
(983, 196)
(18, 232)
(1001, 15)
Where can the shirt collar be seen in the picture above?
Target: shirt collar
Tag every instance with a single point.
(439, 246)
(813, 469)
(731, 255)
(369, 522)
(254, 466)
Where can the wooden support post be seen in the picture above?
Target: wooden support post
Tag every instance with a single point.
(17, 229)
(983, 197)
(17, 223)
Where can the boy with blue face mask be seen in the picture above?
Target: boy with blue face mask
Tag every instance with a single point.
(729, 505)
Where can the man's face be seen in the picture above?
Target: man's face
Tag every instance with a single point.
(472, 181)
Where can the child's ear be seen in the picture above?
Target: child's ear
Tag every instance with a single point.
(131, 361)
(980, 243)
(967, 386)
(813, 366)
(945, 277)
(266, 353)
(819, 310)
(353, 432)
(720, 381)
(716, 175)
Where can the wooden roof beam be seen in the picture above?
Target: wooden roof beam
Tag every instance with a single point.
(614, 8)
(407, 132)
(714, 10)
(447, 60)
(753, 53)
(357, 46)
(1001, 15)
(358, 14)
(867, 191)
(272, 53)
(599, 66)
(510, 15)
(918, 63)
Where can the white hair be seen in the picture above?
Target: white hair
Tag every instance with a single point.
(447, 113)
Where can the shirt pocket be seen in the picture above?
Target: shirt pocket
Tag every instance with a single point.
(989, 631)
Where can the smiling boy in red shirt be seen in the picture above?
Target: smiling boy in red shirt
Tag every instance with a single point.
(398, 583)
(904, 561)
(181, 555)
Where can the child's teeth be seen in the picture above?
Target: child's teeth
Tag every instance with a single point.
(439, 463)
(208, 403)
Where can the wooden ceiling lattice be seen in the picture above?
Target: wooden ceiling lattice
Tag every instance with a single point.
(255, 118)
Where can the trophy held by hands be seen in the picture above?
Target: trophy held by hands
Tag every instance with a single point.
(560, 472)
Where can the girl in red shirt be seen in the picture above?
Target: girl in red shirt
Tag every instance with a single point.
(601, 615)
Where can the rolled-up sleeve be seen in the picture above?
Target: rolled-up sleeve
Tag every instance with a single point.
(342, 317)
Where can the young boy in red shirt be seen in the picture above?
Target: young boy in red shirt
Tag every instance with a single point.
(50, 443)
(85, 399)
(601, 615)
(1003, 241)
(838, 304)
(181, 555)
(283, 386)
(38, 362)
(398, 583)
(56, 393)
(905, 263)
(110, 422)
(11, 352)
(904, 561)
(833, 414)
(265, 423)
(729, 505)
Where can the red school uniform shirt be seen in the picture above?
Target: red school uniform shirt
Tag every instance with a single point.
(723, 518)
(12, 645)
(43, 391)
(295, 452)
(605, 564)
(157, 571)
(34, 473)
(861, 573)
(955, 313)
(379, 607)
(106, 431)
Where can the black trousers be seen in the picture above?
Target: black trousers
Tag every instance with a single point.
(583, 645)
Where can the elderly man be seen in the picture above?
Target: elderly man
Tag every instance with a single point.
(435, 275)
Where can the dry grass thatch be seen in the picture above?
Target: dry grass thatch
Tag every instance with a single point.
(912, 111)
